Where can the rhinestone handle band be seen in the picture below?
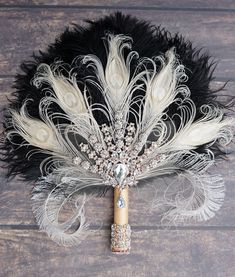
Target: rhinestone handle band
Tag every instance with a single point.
(121, 238)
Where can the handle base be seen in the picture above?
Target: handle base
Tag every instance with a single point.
(120, 238)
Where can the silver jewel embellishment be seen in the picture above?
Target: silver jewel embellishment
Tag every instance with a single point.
(77, 160)
(85, 165)
(121, 202)
(117, 155)
(120, 172)
(121, 238)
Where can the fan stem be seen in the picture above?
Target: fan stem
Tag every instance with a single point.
(121, 232)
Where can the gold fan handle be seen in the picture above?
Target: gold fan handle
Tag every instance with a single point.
(120, 229)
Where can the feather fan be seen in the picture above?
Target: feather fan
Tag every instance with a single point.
(106, 107)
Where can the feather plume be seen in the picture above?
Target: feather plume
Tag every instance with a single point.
(65, 90)
(47, 204)
(117, 71)
(161, 87)
(36, 132)
(206, 198)
(203, 132)
(194, 133)
(115, 81)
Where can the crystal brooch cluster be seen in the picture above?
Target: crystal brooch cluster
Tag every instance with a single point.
(119, 161)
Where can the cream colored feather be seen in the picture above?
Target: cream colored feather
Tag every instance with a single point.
(35, 132)
(66, 91)
(162, 86)
(117, 73)
(200, 133)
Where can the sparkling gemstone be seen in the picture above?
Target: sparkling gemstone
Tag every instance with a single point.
(120, 172)
(136, 172)
(92, 139)
(84, 147)
(130, 128)
(105, 128)
(119, 133)
(118, 125)
(77, 160)
(121, 202)
(114, 154)
(121, 155)
(98, 147)
(109, 166)
(119, 143)
(99, 161)
(104, 154)
(91, 155)
(85, 165)
(111, 147)
(108, 138)
(128, 139)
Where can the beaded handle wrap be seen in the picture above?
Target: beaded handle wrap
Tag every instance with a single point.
(120, 230)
